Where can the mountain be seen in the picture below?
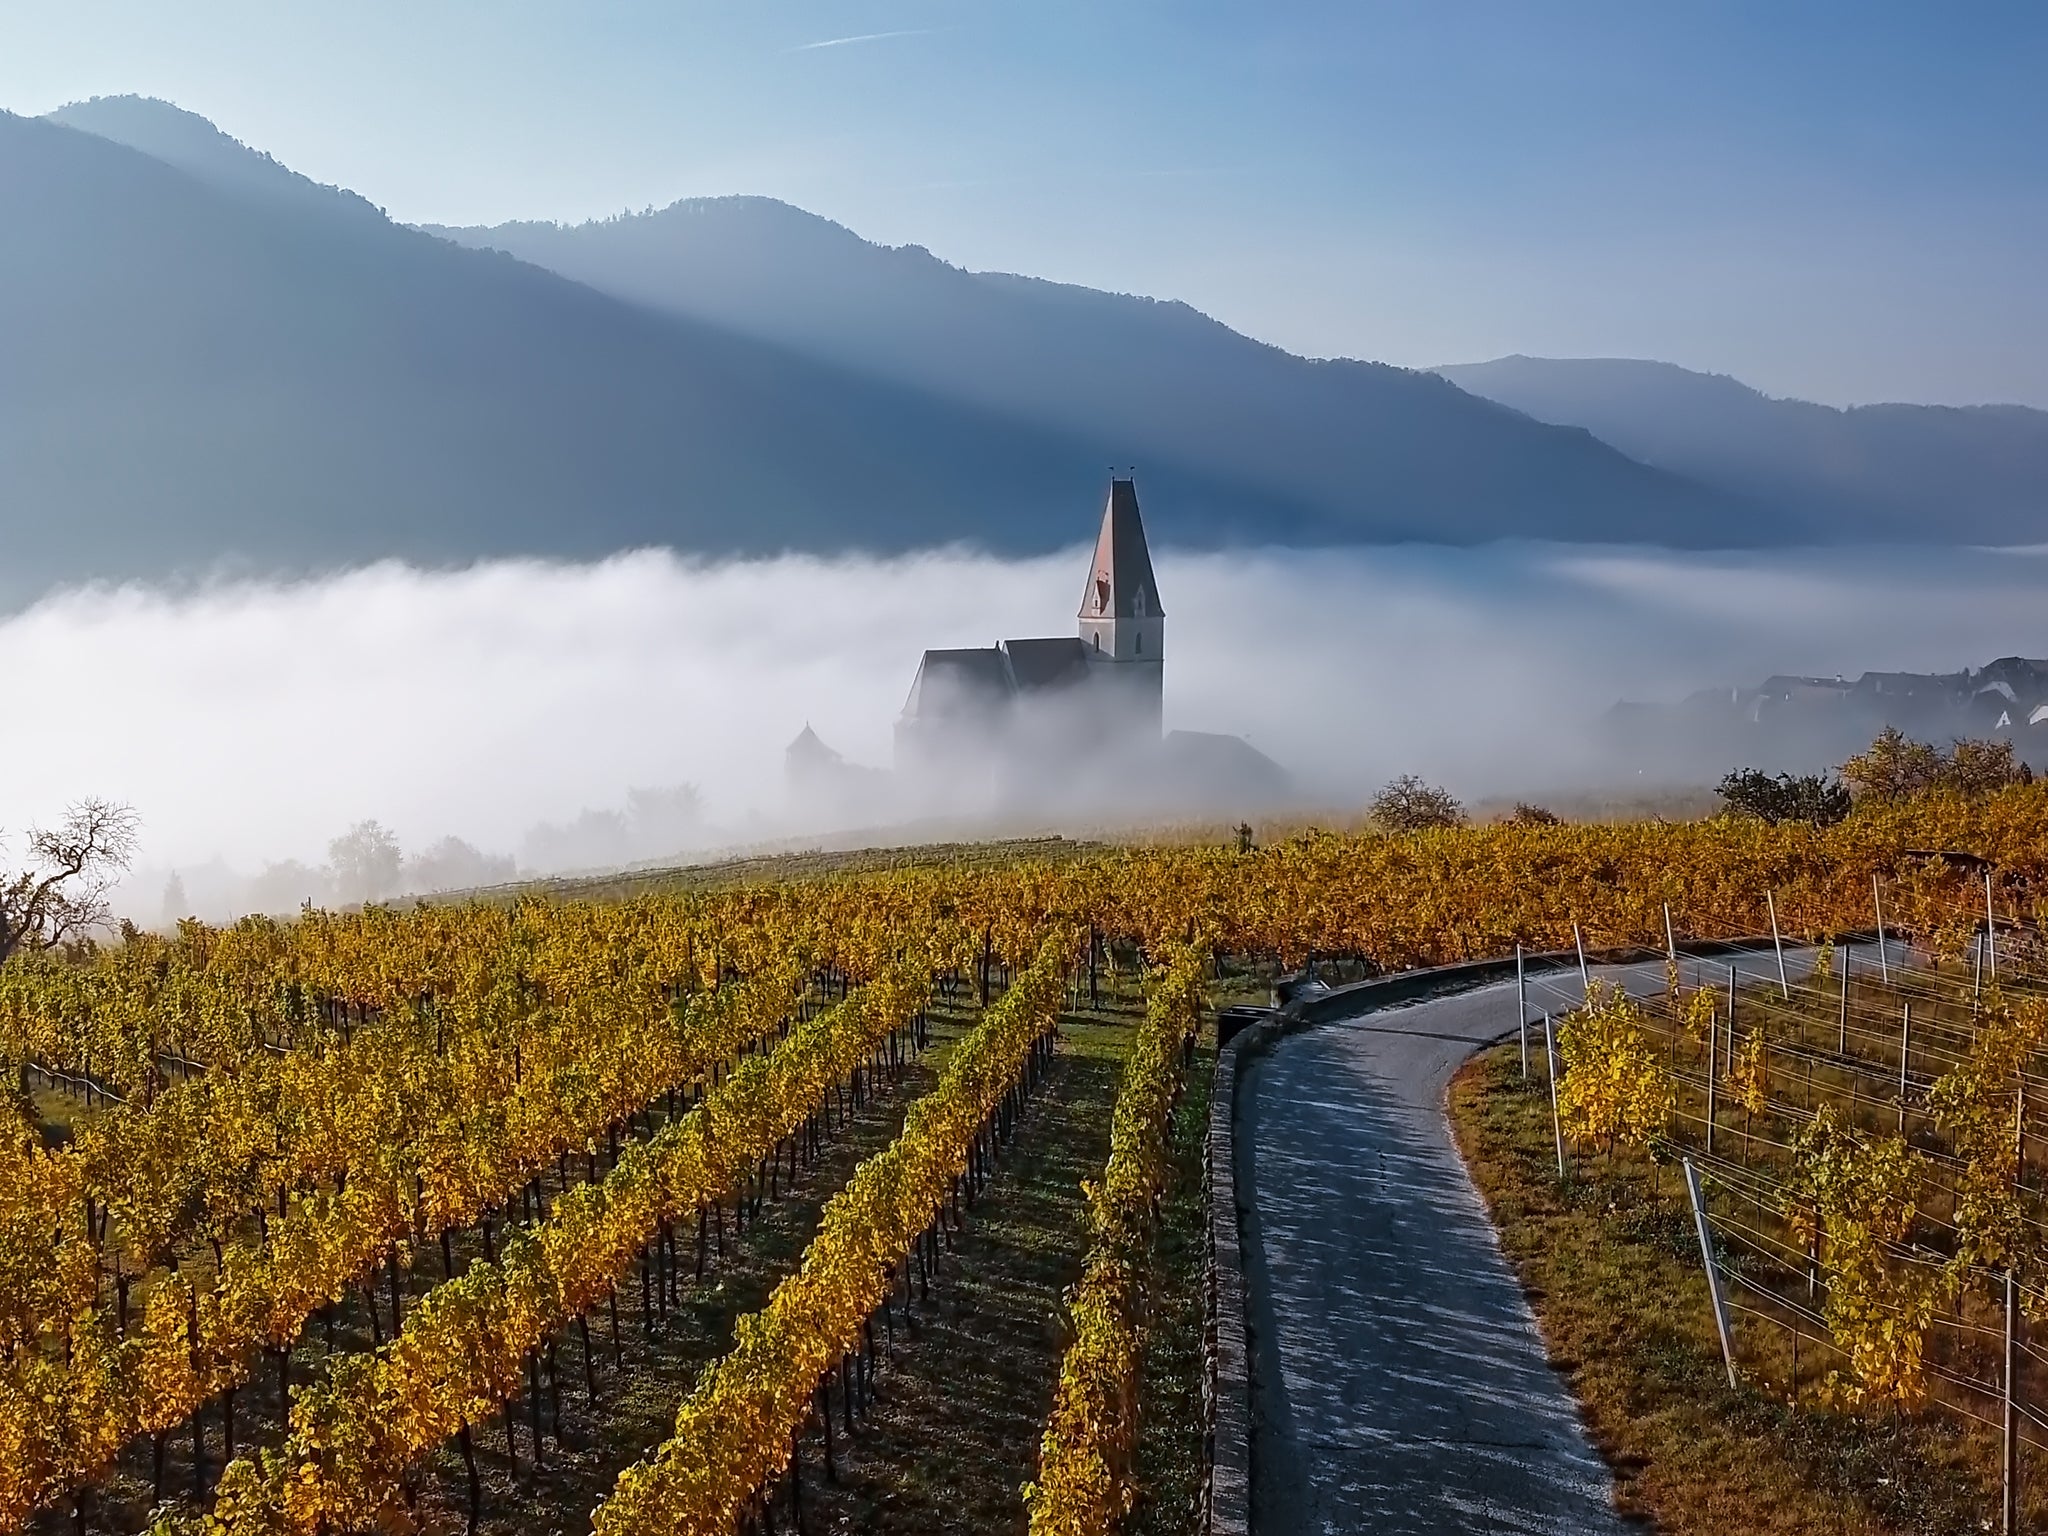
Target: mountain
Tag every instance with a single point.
(192, 144)
(1969, 474)
(196, 372)
(1385, 453)
(213, 361)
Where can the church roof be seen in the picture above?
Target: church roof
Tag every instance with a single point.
(953, 682)
(1120, 581)
(809, 747)
(964, 680)
(1050, 663)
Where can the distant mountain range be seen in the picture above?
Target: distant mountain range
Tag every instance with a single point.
(209, 358)
(1972, 474)
(1370, 451)
(242, 368)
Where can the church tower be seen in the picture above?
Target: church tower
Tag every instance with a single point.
(1123, 625)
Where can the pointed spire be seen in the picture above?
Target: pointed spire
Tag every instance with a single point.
(1120, 580)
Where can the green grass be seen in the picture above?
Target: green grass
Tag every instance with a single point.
(661, 1359)
(964, 1396)
(964, 1391)
(1171, 1420)
(792, 865)
(638, 1391)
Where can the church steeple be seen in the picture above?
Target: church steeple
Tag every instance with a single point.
(1120, 580)
(1123, 623)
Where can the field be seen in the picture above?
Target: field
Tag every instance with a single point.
(855, 1199)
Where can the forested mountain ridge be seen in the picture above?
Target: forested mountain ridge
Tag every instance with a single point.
(213, 361)
(1390, 452)
(194, 375)
(1960, 474)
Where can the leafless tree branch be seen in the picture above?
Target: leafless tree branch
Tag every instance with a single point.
(62, 891)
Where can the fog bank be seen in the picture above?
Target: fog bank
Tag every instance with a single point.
(253, 722)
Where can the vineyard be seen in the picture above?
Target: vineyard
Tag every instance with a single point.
(1851, 1149)
(643, 1215)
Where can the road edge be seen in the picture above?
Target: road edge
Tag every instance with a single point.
(1229, 1346)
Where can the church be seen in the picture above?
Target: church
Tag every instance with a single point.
(1099, 689)
(1049, 727)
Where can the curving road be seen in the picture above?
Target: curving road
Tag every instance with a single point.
(1400, 1384)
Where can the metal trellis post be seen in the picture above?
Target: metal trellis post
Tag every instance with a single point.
(1778, 940)
(1699, 1217)
(1522, 1010)
(1556, 1120)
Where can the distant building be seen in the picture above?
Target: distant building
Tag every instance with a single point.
(1101, 688)
(1809, 723)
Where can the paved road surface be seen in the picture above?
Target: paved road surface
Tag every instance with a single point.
(1401, 1386)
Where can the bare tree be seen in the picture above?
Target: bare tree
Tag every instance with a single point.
(62, 890)
(1411, 805)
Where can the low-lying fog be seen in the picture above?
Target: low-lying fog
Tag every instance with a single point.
(518, 706)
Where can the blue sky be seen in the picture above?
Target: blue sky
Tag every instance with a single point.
(1843, 201)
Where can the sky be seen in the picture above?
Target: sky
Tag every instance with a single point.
(1840, 201)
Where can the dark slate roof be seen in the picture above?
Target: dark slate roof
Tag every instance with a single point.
(1122, 569)
(809, 747)
(1053, 663)
(961, 681)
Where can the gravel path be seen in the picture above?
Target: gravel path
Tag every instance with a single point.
(1400, 1382)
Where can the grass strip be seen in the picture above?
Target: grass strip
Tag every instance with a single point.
(1086, 1456)
(736, 1432)
(464, 1347)
(1610, 1262)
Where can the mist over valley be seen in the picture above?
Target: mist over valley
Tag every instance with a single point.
(538, 544)
(519, 705)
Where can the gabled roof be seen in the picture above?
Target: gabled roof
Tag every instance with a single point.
(1037, 664)
(1120, 580)
(809, 747)
(963, 681)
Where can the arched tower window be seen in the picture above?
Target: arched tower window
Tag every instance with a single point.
(1139, 641)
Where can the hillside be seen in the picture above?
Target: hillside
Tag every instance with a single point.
(1976, 474)
(1386, 452)
(194, 145)
(214, 361)
(197, 374)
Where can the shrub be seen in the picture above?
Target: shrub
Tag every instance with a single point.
(1819, 798)
(1896, 767)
